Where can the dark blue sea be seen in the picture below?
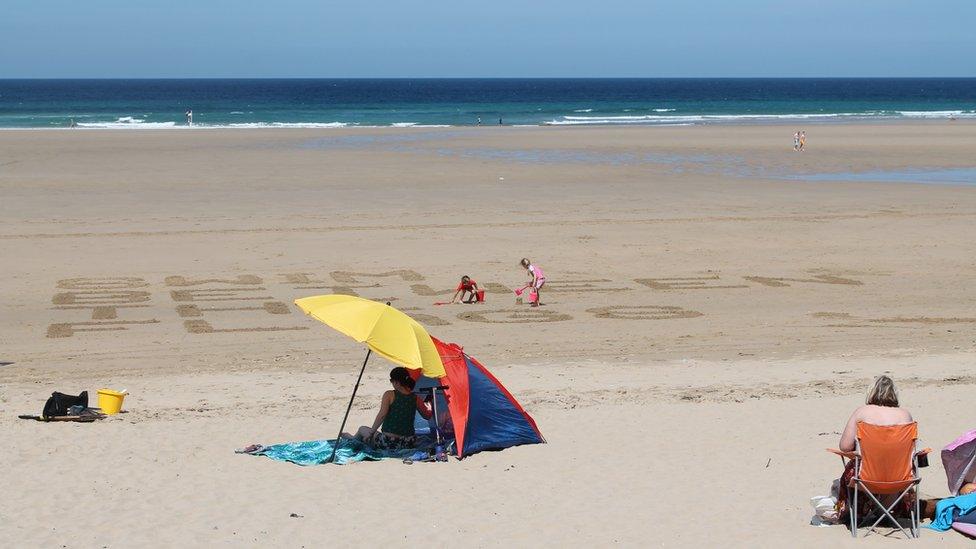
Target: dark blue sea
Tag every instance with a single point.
(462, 102)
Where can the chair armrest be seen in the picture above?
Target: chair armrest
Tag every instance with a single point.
(841, 453)
(923, 452)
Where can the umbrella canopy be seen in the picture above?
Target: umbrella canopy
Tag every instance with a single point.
(959, 460)
(385, 330)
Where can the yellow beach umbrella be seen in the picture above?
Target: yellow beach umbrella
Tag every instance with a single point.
(383, 329)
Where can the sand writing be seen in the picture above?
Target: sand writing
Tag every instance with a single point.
(242, 295)
(308, 281)
(270, 307)
(926, 320)
(424, 318)
(713, 282)
(69, 329)
(643, 312)
(817, 279)
(831, 315)
(514, 316)
(346, 282)
(85, 299)
(241, 280)
(251, 303)
(488, 287)
(582, 286)
(847, 320)
(204, 327)
(100, 299)
(686, 283)
(353, 277)
(103, 283)
(219, 294)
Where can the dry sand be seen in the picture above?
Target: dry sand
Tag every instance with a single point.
(708, 326)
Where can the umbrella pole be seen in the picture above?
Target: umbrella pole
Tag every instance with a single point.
(335, 447)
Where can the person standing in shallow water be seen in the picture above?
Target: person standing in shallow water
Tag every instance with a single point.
(189, 117)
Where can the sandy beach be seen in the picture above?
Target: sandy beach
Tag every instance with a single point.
(712, 317)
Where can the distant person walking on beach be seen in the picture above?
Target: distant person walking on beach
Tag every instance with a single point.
(796, 141)
(538, 280)
(803, 140)
(499, 121)
(479, 120)
(189, 117)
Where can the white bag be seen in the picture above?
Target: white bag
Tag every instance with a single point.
(825, 510)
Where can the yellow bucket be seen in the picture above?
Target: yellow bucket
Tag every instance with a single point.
(110, 401)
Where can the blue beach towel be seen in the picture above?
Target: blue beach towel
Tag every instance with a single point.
(945, 508)
(315, 452)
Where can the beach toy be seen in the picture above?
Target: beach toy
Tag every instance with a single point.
(519, 291)
(481, 296)
(533, 296)
(110, 401)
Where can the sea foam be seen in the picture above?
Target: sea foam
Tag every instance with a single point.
(127, 122)
(309, 125)
(663, 119)
(937, 114)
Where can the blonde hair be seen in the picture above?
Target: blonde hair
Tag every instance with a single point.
(883, 392)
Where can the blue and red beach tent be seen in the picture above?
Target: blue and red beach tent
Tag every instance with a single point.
(485, 416)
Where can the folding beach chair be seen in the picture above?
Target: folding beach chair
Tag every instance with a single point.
(885, 464)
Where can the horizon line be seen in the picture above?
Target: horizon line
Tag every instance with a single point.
(3, 78)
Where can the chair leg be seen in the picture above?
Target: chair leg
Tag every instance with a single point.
(886, 511)
(853, 511)
(918, 513)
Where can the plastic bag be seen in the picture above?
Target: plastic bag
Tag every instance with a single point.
(825, 507)
(825, 510)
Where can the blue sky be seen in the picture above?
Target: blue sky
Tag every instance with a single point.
(498, 38)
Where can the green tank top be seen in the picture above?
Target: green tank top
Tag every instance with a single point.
(399, 420)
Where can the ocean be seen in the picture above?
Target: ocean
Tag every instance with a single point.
(334, 103)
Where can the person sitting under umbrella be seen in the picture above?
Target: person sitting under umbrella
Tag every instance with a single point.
(393, 427)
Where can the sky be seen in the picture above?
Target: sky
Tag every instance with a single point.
(497, 38)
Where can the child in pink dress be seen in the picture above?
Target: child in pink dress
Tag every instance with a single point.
(538, 280)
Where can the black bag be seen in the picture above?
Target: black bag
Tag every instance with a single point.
(59, 403)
